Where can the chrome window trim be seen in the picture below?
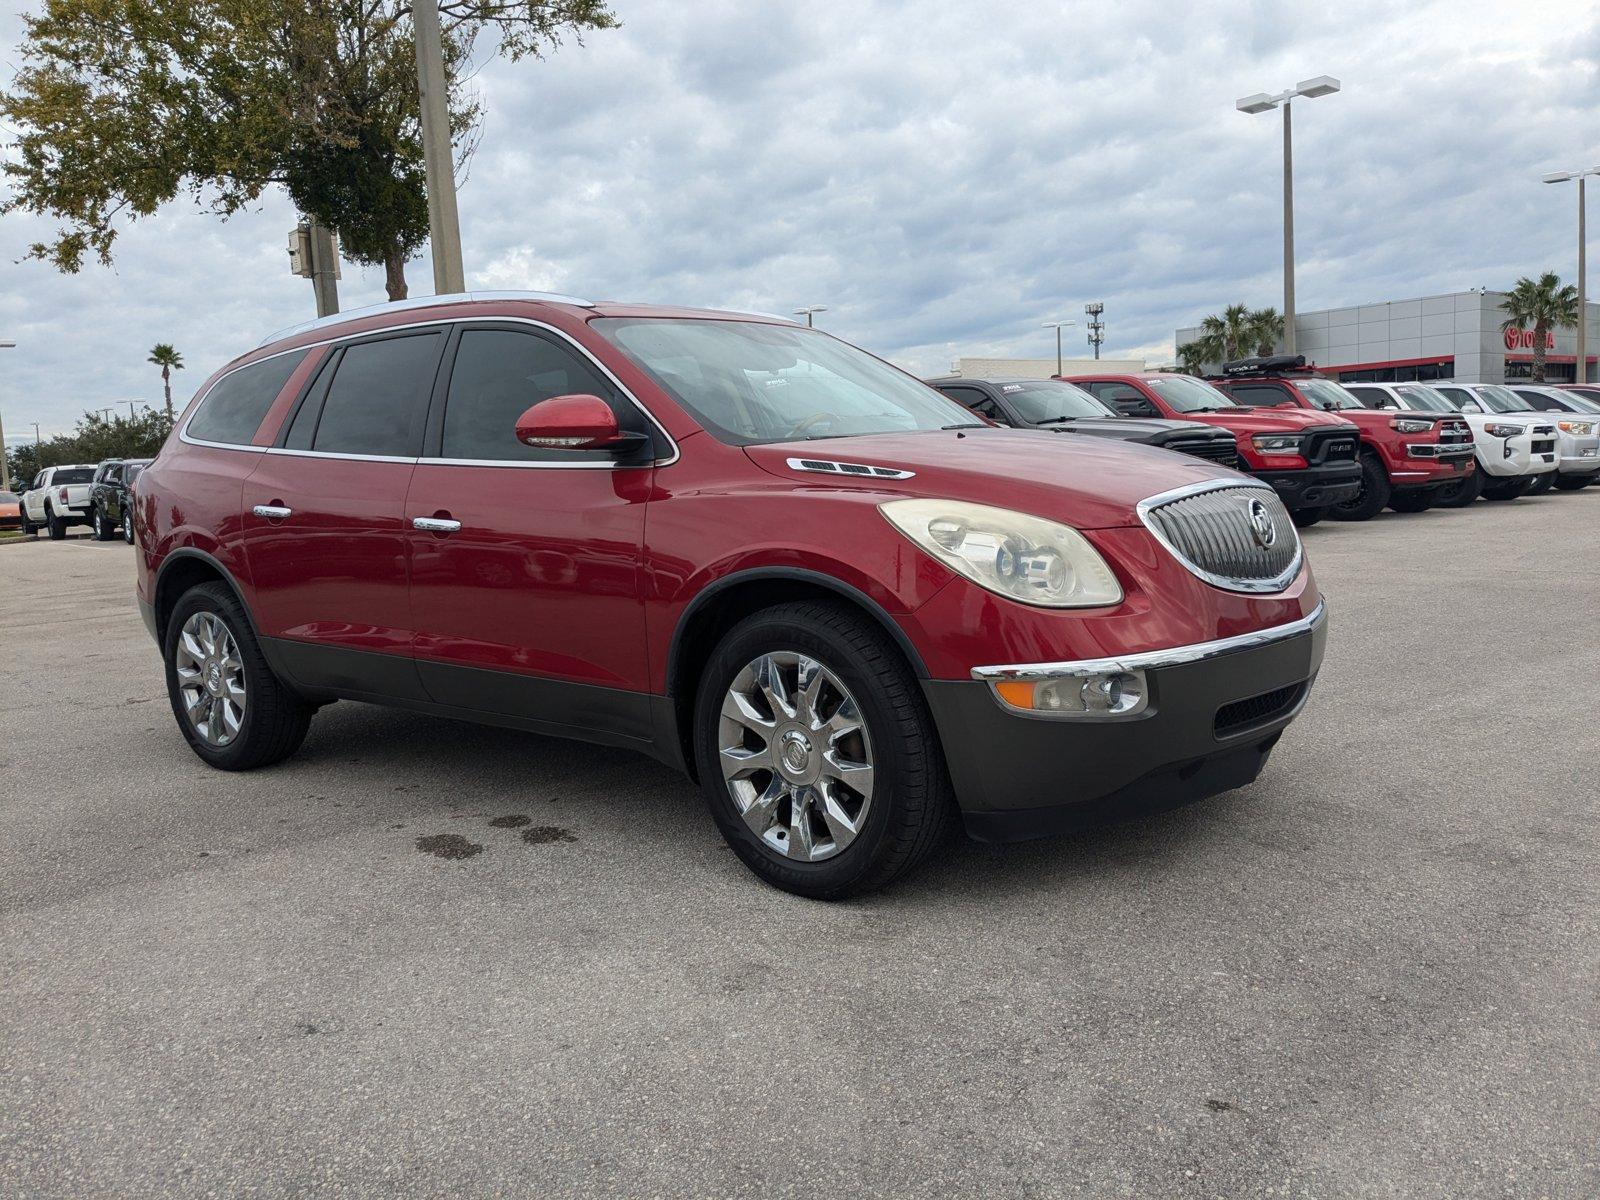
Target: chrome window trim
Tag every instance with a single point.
(484, 319)
(1252, 586)
(1150, 660)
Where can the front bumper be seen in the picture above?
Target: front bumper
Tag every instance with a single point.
(1508, 457)
(1214, 712)
(1315, 486)
(1579, 455)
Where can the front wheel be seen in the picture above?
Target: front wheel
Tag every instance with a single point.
(1542, 484)
(1507, 489)
(1305, 518)
(104, 530)
(1412, 500)
(817, 754)
(1459, 493)
(1572, 483)
(1372, 497)
(233, 711)
(127, 526)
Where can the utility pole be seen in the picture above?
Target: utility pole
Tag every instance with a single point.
(1058, 326)
(1097, 327)
(444, 226)
(5, 459)
(1322, 85)
(314, 255)
(1580, 366)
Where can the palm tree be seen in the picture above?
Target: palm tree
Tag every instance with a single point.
(169, 360)
(1239, 330)
(1266, 327)
(1544, 304)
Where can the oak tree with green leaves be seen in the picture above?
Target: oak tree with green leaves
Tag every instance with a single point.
(121, 105)
(1540, 305)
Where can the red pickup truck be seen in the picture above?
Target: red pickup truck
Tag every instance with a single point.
(1309, 459)
(1408, 460)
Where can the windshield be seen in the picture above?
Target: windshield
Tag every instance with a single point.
(132, 472)
(1417, 396)
(1186, 394)
(749, 382)
(1326, 394)
(1495, 398)
(1043, 402)
(1582, 402)
(74, 475)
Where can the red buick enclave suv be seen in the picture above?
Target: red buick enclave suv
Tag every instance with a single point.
(738, 545)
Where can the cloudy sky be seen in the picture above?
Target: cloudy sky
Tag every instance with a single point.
(944, 176)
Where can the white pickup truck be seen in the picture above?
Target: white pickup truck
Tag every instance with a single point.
(59, 497)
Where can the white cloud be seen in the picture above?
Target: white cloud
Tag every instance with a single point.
(942, 176)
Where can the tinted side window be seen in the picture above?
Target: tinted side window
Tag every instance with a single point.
(1258, 395)
(978, 402)
(1541, 402)
(233, 408)
(1371, 397)
(1115, 391)
(498, 375)
(376, 400)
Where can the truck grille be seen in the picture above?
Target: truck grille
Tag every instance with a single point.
(1224, 451)
(1455, 431)
(1232, 536)
(1257, 710)
(1331, 445)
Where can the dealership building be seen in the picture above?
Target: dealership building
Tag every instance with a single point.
(1457, 336)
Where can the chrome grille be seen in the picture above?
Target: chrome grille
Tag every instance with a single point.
(1232, 536)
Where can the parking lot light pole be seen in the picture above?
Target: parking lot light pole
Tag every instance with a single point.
(1322, 85)
(1058, 326)
(5, 459)
(810, 311)
(1580, 366)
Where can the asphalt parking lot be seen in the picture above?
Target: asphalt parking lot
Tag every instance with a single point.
(1373, 973)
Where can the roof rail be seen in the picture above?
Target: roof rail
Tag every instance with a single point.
(372, 310)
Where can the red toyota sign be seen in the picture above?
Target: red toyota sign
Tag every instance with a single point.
(1522, 339)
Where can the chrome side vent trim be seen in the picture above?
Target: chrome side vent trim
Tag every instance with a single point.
(828, 466)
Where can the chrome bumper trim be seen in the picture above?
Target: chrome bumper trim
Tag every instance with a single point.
(1155, 659)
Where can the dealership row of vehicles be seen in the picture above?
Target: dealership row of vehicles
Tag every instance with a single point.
(855, 608)
(93, 494)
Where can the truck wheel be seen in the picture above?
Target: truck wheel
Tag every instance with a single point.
(1459, 493)
(104, 531)
(56, 525)
(1372, 497)
(1571, 483)
(1412, 500)
(817, 754)
(29, 529)
(1305, 518)
(233, 711)
(1507, 489)
(1542, 484)
(127, 525)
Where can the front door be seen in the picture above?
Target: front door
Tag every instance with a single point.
(525, 569)
(324, 518)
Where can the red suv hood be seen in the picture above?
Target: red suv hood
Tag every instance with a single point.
(1268, 420)
(1089, 483)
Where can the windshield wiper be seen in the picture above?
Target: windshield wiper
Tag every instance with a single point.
(979, 425)
(1061, 420)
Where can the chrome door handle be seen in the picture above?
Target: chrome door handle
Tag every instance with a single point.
(435, 524)
(272, 512)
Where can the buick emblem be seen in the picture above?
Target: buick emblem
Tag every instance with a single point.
(1262, 526)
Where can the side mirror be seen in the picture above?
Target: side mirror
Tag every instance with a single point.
(579, 422)
(1470, 406)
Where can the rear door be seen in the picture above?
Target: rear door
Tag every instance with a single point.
(528, 599)
(324, 517)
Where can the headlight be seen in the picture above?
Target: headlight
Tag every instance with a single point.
(1407, 425)
(1009, 553)
(1272, 443)
(1505, 431)
(1581, 428)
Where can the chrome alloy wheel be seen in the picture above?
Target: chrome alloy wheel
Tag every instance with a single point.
(211, 678)
(796, 756)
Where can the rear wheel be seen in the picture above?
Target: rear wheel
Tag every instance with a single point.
(1573, 483)
(1412, 500)
(817, 754)
(127, 525)
(1305, 518)
(1374, 493)
(57, 526)
(1461, 492)
(233, 711)
(1543, 483)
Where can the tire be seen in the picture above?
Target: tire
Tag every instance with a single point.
(56, 525)
(909, 807)
(104, 530)
(273, 720)
(1373, 496)
(29, 529)
(1573, 483)
(1412, 500)
(1543, 483)
(1305, 518)
(1460, 493)
(1508, 489)
(127, 524)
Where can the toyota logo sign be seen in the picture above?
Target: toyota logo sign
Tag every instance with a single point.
(1262, 526)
